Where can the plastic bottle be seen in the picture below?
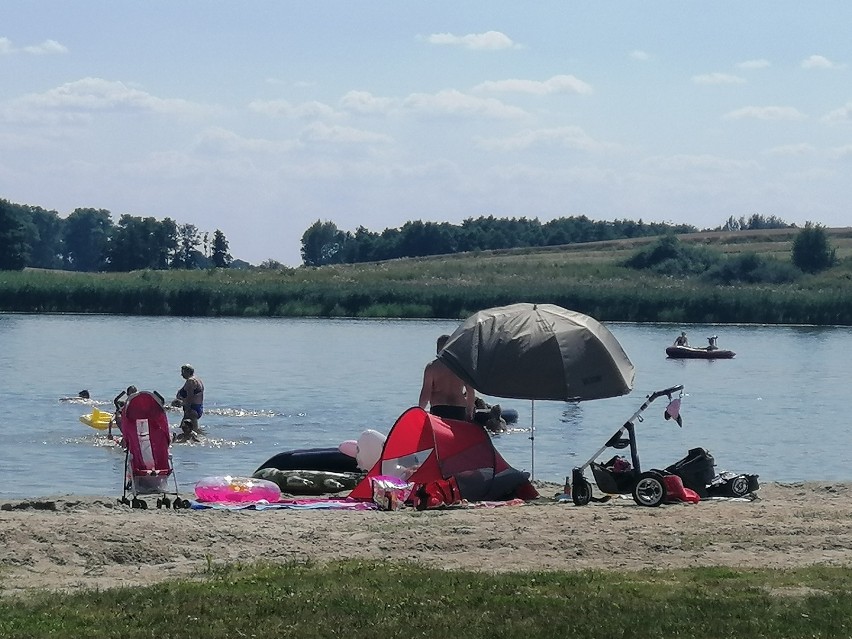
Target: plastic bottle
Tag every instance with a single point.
(566, 491)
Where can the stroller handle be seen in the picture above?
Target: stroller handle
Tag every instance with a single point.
(667, 391)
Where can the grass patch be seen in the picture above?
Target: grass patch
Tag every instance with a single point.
(356, 599)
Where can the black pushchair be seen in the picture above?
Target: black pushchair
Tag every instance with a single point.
(620, 476)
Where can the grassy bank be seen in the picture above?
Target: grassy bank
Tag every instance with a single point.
(587, 278)
(357, 599)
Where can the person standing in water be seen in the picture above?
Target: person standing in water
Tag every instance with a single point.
(191, 397)
(444, 392)
(119, 401)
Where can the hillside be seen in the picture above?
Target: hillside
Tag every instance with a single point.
(585, 277)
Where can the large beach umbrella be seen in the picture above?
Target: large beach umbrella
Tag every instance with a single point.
(538, 351)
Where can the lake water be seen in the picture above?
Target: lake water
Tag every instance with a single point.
(779, 409)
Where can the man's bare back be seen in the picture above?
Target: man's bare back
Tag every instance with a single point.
(444, 392)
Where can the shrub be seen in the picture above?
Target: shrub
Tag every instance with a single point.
(751, 268)
(668, 256)
(812, 252)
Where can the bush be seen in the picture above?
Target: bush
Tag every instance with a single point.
(812, 252)
(668, 256)
(751, 268)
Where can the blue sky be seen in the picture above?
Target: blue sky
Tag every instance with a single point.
(258, 118)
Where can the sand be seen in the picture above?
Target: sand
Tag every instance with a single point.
(70, 542)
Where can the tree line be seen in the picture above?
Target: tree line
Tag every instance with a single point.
(324, 243)
(88, 240)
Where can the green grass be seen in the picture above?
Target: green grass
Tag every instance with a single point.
(370, 600)
(583, 277)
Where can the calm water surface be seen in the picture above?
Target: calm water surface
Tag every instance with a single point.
(779, 409)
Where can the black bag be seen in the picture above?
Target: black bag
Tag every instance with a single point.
(728, 484)
(696, 470)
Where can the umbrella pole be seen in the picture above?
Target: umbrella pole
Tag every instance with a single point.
(532, 438)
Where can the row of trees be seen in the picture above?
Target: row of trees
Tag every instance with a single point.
(324, 243)
(88, 240)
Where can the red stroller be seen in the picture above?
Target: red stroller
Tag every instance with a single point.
(147, 461)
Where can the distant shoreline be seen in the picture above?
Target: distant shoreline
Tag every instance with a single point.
(590, 281)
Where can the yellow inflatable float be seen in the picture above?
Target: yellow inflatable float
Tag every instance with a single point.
(99, 419)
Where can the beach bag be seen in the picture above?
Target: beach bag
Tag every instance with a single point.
(728, 484)
(435, 494)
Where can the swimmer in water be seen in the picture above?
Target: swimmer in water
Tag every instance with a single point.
(186, 435)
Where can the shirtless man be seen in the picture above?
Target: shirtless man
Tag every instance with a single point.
(443, 391)
(191, 396)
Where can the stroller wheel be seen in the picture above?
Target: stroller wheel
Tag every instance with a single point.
(178, 504)
(581, 492)
(124, 500)
(649, 490)
(166, 502)
(186, 504)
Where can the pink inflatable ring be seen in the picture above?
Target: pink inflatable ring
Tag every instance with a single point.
(236, 489)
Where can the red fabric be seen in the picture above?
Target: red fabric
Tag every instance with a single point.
(676, 491)
(443, 492)
(442, 447)
(145, 433)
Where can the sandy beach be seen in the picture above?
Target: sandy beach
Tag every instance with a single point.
(94, 542)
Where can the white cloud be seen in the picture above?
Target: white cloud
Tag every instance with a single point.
(766, 113)
(839, 116)
(704, 162)
(366, 103)
(319, 131)
(759, 63)
(841, 152)
(820, 62)
(97, 95)
(283, 108)
(491, 40)
(556, 84)
(567, 136)
(47, 47)
(792, 150)
(638, 54)
(717, 78)
(456, 103)
(217, 140)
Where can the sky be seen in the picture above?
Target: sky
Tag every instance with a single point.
(259, 118)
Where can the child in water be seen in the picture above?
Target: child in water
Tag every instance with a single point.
(186, 434)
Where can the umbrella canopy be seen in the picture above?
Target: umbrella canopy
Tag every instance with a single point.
(538, 351)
